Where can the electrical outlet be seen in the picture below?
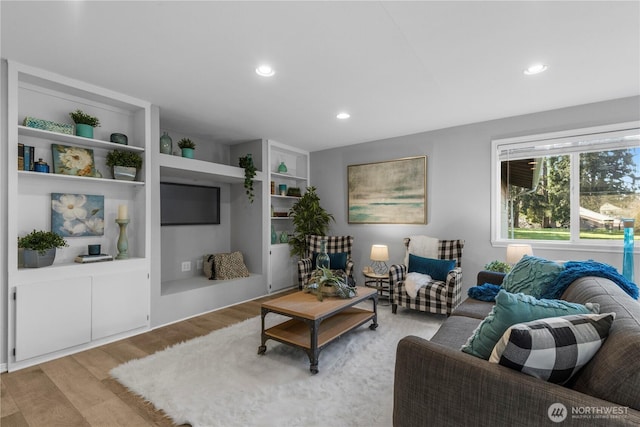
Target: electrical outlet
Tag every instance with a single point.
(186, 266)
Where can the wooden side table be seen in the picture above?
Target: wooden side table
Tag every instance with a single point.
(379, 282)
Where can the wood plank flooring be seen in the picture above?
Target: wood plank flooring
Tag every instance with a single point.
(77, 390)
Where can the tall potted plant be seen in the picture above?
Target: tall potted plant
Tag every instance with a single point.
(309, 218)
(40, 248)
(124, 164)
(84, 123)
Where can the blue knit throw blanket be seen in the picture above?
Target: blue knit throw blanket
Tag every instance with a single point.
(575, 269)
(572, 270)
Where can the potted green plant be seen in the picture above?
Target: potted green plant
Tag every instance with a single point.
(40, 248)
(246, 162)
(324, 282)
(498, 266)
(187, 146)
(124, 164)
(84, 123)
(309, 218)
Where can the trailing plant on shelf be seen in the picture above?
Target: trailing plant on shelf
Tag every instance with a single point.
(309, 218)
(129, 159)
(41, 241)
(498, 266)
(186, 143)
(81, 118)
(246, 162)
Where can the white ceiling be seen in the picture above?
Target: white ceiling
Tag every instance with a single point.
(397, 67)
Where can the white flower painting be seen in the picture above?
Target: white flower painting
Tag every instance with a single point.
(73, 160)
(76, 215)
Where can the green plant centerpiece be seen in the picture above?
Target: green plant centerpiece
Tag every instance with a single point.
(40, 247)
(308, 218)
(325, 282)
(79, 117)
(498, 266)
(246, 163)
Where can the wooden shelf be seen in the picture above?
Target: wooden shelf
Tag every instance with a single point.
(75, 140)
(57, 176)
(277, 196)
(193, 170)
(76, 268)
(170, 287)
(287, 176)
(297, 332)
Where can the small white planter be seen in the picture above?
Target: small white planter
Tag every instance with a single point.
(124, 173)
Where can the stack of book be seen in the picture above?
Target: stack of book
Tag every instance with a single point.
(25, 157)
(93, 258)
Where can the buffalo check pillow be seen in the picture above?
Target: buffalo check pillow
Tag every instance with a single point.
(555, 348)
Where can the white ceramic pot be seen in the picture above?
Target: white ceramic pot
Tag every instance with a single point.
(124, 173)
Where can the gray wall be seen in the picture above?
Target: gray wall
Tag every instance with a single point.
(458, 182)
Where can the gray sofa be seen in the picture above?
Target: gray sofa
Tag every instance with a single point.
(436, 384)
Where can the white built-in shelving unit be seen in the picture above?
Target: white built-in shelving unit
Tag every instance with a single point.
(282, 266)
(67, 307)
(178, 295)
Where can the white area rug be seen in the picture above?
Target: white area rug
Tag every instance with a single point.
(220, 380)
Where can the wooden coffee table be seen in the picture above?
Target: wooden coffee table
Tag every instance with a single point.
(314, 324)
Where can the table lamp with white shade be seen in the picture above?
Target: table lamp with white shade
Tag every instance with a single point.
(516, 251)
(379, 254)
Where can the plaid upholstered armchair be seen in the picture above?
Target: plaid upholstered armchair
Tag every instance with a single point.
(437, 296)
(335, 245)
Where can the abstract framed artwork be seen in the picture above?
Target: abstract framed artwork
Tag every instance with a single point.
(389, 192)
(69, 160)
(77, 215)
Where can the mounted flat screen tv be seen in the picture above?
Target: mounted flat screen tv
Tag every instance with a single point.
(185, 204)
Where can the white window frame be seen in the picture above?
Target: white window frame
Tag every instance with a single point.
(552, 139)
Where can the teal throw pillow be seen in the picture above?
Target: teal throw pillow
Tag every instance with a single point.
(436, 268)
(337, 261)
(531, 275)
(518, 308)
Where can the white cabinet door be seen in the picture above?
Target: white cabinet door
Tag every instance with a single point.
(284, 268)
(120, 303)
(52, 315)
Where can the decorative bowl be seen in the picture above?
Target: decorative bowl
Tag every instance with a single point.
(119, 138)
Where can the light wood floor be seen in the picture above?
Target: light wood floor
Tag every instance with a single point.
(77, 390)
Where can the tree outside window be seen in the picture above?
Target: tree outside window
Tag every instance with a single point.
(571, 188)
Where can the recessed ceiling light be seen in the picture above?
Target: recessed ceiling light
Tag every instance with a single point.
(535, 69)
(265, 71)
(343, 116)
